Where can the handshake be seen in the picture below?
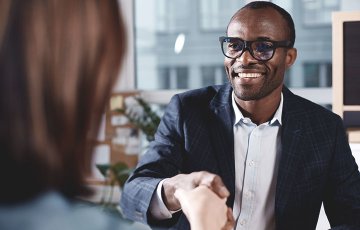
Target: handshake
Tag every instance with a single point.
(202, 197)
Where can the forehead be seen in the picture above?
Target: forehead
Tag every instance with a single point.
(251, 24)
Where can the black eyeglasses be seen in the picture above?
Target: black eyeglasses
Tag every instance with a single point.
(261, 50)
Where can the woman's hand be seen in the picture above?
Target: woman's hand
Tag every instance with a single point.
(204, 209)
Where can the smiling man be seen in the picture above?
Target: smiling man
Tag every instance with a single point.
(275, 156)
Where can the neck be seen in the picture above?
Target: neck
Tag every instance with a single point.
(262, 110)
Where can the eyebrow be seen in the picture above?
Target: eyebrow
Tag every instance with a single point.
(263, 38)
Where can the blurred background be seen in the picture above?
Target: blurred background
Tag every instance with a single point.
(175, 45)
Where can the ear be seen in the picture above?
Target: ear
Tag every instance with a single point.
(291, 55)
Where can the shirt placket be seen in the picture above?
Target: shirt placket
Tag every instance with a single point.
(250, 177)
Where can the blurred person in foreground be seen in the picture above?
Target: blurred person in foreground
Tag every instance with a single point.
(275, 156)
(58, 62)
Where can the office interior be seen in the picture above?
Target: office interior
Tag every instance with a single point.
(173, 47)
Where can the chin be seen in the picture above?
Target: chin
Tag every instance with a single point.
(246, 96)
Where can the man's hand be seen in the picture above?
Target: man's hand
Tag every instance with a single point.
(188, 182)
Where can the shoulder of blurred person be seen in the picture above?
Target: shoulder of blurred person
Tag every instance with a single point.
(53, 211)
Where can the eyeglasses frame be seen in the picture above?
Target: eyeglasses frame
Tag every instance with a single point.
(247, 46)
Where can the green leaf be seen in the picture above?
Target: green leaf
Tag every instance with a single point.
(103, 168)
(121, 172)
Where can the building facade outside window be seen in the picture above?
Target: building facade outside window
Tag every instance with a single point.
(176, 44)
(317, 74)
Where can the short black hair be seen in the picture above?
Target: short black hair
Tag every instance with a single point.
(263, 4)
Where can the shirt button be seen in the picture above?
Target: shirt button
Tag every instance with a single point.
(248, 194)
(251, 163)
(243, 222)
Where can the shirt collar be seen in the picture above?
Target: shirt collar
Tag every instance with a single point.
(277, 116)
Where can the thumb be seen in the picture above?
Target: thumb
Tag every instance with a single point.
(180, 194)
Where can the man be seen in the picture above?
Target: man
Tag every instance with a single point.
(276, 156)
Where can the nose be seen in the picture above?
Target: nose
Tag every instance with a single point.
(245, 58)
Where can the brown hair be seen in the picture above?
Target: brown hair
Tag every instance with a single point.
(58, 62)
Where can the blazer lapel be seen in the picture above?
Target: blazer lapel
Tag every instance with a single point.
(290, 155)
(223, 137)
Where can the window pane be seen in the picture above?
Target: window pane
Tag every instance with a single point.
(328, 74)
(176, 41)
(318, 74)
(213, 75)
(208, 75)
(214, 14)
(311, 71)
(182, 78)
(172, 15)
(164, 78)
(317, 12)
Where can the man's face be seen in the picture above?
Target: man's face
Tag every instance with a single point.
(252, 79)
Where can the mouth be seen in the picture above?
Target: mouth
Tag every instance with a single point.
(247, 75)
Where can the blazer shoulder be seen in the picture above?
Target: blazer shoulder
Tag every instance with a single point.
(202, 96)
(299, 105)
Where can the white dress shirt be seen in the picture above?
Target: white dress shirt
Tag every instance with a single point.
(257, 149)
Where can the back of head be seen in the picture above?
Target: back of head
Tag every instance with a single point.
(264, 4)
(58, 63)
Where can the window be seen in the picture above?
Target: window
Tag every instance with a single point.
(182, 78)
(167, 65)
(214, 14)
(318, 12)
(164, 78)
(172, 15)
(317, 74)
(173, 78)
(213, 75)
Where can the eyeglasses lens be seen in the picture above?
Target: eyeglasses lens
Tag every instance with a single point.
(260, 50)
(233, 49)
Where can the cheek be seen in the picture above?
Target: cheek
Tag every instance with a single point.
(227, 65)
(276, 66)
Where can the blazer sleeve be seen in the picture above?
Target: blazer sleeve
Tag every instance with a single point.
(342, 196)
(163, 159)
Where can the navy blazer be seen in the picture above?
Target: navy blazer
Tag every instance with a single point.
(196, 133)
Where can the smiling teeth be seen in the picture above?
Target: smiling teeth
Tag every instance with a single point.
(249, 75)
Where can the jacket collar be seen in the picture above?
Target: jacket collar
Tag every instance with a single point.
(292, 145)
(222, 135)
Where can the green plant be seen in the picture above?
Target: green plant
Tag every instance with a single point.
(141, 115)
(114, 174)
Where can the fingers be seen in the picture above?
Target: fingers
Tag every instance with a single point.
(182, 196)
(205, 209)
(219, 188)
(188, 182)
(230, 220)
(168, 193)
(213, 182)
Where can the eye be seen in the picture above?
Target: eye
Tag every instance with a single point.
(263, 46)
(235, 46)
